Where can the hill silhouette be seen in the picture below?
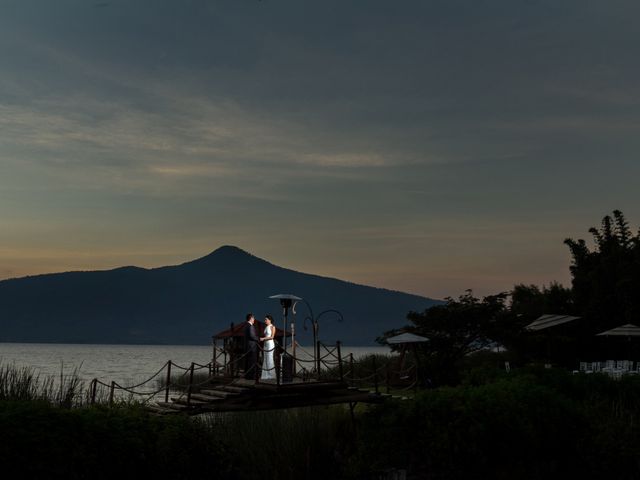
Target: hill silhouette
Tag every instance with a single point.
(186, 304)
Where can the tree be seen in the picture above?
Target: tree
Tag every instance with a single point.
(606, 280)
(529, 301)
(456, 329)
(605, 292)
(557, 344)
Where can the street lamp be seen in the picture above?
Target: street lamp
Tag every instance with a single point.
(316, 327)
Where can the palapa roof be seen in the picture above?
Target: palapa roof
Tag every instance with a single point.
(546, 321)
(628, 330)
(406, 338)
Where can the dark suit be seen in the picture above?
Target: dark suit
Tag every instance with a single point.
(251, 349)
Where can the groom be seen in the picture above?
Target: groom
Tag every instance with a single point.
(251, 347)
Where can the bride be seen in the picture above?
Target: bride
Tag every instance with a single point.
(268, 366)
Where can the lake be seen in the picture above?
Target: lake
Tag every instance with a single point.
(125, 364)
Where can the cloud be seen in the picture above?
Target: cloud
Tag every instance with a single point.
(378, 127)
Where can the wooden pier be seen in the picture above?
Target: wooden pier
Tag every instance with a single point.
(327, 379)
(246, 395)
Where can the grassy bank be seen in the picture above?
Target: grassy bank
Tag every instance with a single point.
(24, 383)
(43, 441)
(529, 424)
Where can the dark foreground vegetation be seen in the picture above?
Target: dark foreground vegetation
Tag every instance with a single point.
(42, 441)
(530, 424)
(527, 424)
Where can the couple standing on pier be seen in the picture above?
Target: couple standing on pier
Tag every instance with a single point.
(252, 346)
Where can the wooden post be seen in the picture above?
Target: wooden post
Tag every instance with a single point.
(190, 384)
(316, 341)
(340, 369)
(227, 361)
(113, 387)
(279, 369)
(351, 368)
(214, 362)
(318, 357)
(94, 386)
(213, 353)
(375, 373)
(233, 358)
(168, 382)
(293, 349)
(387, 377)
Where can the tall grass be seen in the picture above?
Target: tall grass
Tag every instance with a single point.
(43, 441)
(24, 383)
(310, 442)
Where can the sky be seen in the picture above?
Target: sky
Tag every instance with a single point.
(427, 146)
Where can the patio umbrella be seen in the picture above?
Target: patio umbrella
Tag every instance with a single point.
(547, 321)
(406, 339)
(626, 331)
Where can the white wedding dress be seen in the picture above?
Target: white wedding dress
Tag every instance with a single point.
(268, 366)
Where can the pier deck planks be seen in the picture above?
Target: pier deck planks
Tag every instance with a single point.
(246, 395)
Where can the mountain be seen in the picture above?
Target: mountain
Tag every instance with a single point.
(188, 303)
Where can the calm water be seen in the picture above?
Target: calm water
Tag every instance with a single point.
(126, 364)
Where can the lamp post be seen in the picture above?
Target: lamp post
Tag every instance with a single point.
(286, 302)
(316, 327)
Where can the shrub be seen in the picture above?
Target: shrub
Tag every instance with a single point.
(42, 441)
(507, 429)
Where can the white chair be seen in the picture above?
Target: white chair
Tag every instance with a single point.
(624, 365)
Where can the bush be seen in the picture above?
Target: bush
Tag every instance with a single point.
(508, 429)
(42, 441)
(530, 424)
(312, 442)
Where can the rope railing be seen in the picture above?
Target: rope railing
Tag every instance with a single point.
(132, 389)
(331, 365)
(329, 352)
(306, 352)
(179, 366)
(371, 375)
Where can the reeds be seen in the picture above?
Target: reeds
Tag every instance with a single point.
(310, 442)
(25, 383)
